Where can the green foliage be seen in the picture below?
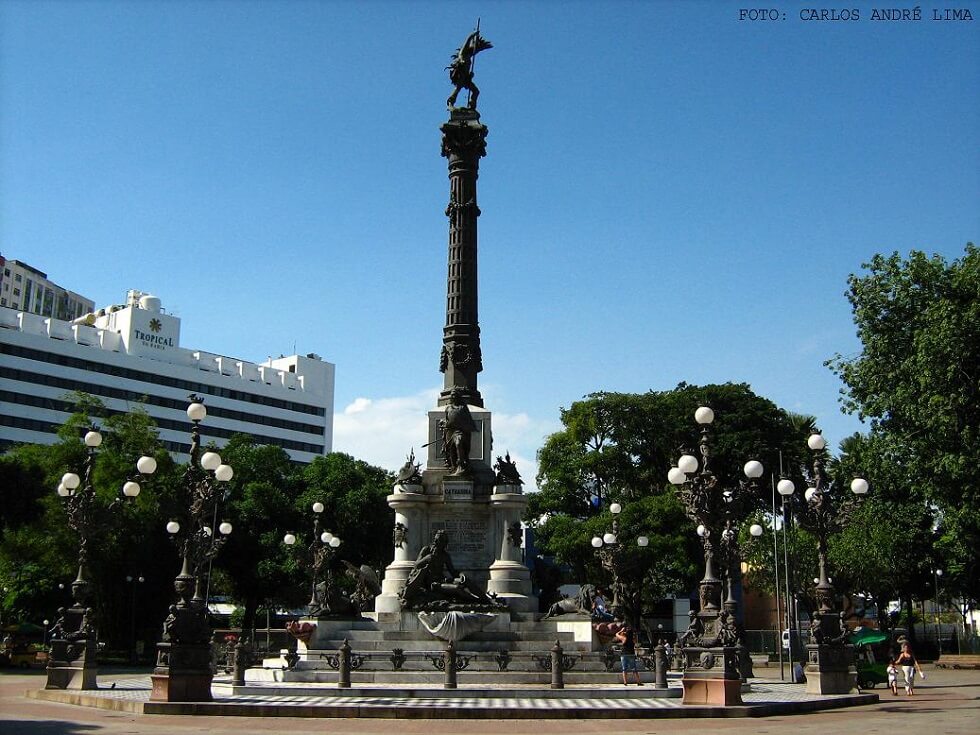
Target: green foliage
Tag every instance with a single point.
(354, 495)
(885, 550)
(917, 379)
(40, 552)
(796, 546)
(619, 446)
(260, 505)
(268, 496)
(22, 486)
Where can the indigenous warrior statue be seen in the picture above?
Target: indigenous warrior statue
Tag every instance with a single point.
(461, 68)
(456, 430)
(433, 583)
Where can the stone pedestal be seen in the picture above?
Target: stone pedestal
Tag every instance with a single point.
(510, 580)
(183, 673)
(478, 518)
(711, 676)
(73, 665)
(830, 669)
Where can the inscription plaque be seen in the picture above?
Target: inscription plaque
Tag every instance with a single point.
(457, 490)
(470, 542)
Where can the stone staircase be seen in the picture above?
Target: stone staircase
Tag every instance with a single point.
(395, 648)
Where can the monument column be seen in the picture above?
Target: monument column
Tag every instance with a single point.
(407, 538)
(463, 143)
(510, 580)
(454, 498)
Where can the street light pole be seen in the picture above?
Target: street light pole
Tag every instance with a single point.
(325, 596)
(830, 667)
(183, 671)
(714, 636)
(937, 573)
(626, 568)
(73, 661)
(786, 489)
(775, 564)
(134, 654)
(756, 531)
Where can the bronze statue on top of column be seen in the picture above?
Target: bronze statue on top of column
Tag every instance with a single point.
(461, 68)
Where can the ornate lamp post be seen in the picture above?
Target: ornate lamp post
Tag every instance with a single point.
(325, 597)
(712, 673)
(626, 567)
(755, 530)
(183, 670)
(830, 660)
(786, 488)
(73, 663)
(132, 582)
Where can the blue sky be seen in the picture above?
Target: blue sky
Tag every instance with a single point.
(670, 194)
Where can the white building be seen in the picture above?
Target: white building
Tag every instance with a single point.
(26, 288)
(130, 355)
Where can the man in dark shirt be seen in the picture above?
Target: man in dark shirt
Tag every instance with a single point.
(628, 654)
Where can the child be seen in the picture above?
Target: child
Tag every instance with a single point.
(893, 677)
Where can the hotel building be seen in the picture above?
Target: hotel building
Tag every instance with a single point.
(130, 355)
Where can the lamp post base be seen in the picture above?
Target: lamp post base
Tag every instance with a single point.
(711, 676)
(183, 673)
(73, 665)
(830, 669)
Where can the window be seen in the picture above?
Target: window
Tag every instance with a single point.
(17, 277)
(16, 292)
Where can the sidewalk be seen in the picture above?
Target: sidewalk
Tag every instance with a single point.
(945, 703)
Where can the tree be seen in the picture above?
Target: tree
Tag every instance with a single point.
(917, 378)
(39, 555)
(261, 505)
(800, 551)
(886, 549)
(619, 446)
(22, 487)
(354, 494)
(268, 496)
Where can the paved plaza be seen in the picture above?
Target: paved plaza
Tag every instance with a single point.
(947, 702)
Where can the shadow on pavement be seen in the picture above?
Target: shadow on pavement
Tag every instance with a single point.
(44, 727)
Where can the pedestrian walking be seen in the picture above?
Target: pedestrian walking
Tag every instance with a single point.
(892, 672)
(910, 666)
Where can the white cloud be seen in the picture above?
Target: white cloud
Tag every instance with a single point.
(382, 431)
(359, 405)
